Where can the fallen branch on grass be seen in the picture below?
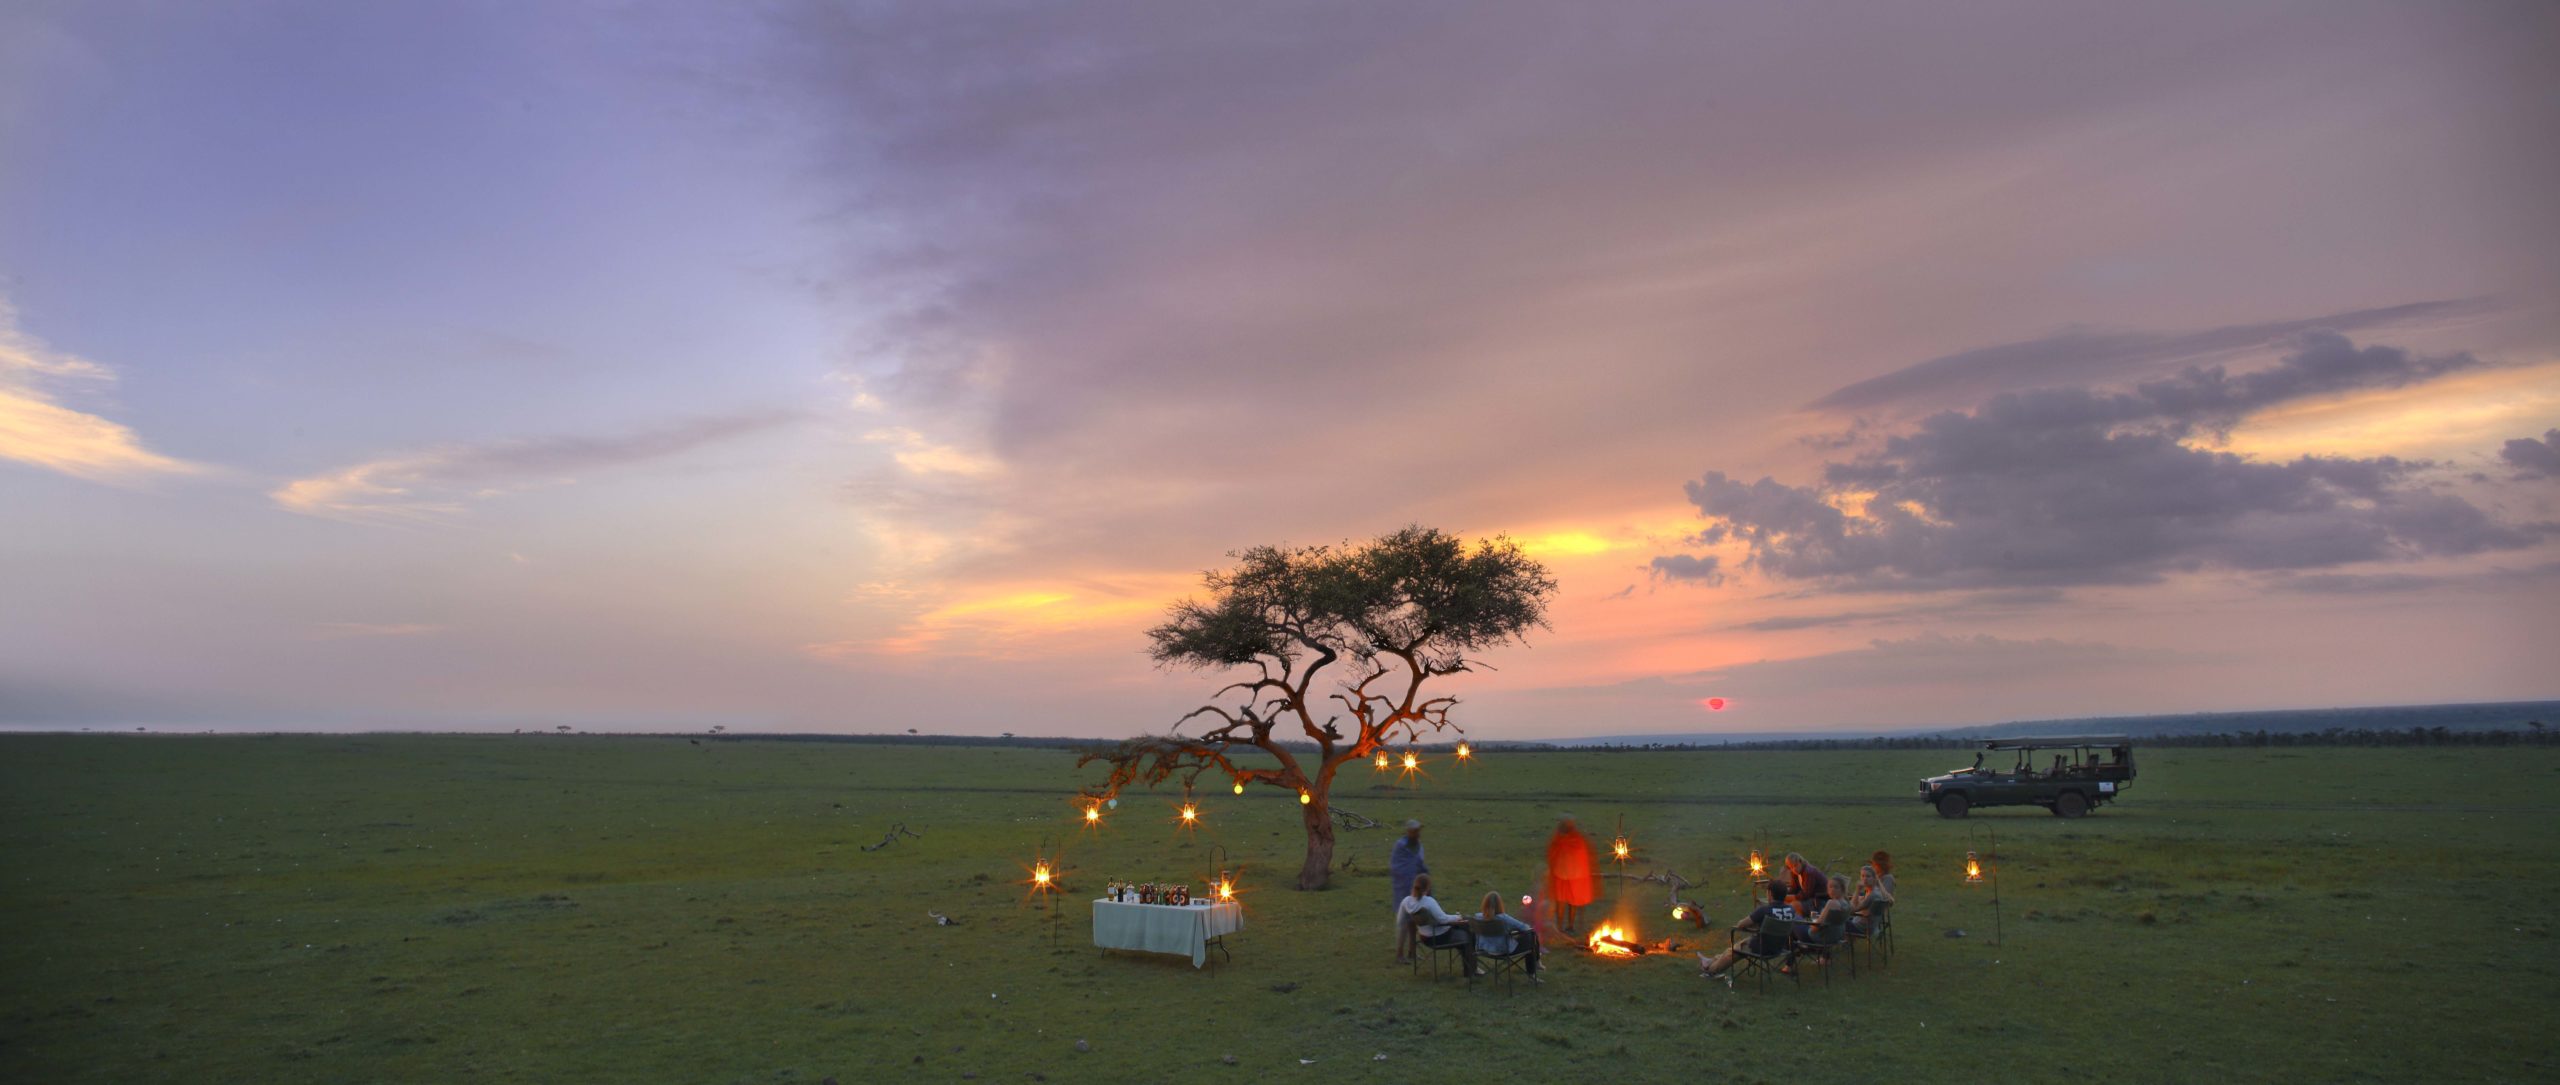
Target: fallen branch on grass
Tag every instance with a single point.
(892, 838)
(1351, 820)
(1670, 878)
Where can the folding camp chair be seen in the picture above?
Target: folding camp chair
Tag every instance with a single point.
(1507, 964)
(1876, 930)
(1755, 957)
(1422, 946)
(1821, 949)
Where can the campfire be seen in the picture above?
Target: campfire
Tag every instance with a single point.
(1611, 940)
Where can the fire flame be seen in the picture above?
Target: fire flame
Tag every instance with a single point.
(1601, 941)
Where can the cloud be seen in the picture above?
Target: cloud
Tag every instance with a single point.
(1685, 567)
(921, 456)
(445, 481)
(2399, 583)
(2081, 356)
(1929, 659)
(37, 428)
(351, 630)
(2532, 458)
(2076, 486)
(1974, 605)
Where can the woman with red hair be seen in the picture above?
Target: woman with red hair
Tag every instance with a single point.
(1570, 885)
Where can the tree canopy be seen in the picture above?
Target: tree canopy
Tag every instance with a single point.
(1341, 640)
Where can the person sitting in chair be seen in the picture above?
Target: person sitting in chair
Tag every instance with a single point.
(1829, 923)
(1767, 924)
(1870, 901)
(1500, 934)
(1438, 928)
(1806, 882)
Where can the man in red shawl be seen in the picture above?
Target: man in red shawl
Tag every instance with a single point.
(1569, 881)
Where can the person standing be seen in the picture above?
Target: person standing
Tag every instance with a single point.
(1404, 864)
(1570, 885)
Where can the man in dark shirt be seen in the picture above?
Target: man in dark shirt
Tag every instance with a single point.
(1768, 925)
(1807, 883)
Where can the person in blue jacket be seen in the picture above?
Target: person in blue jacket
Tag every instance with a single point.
(1404, 863)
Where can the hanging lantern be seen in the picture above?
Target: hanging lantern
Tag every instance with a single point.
(1093, 814)
(1041, 876)
(1226, 886)
(1619, 849)
(1239, 787)
(1465, 751)
(1380, 761)
(1190, 813)
(1411, 762)
(1305, 796)
(1759, 867)
(1972, 868)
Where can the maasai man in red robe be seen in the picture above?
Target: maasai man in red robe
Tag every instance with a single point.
(1569, 881)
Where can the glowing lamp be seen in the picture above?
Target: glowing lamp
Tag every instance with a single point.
(1305, 797)
(1239, 787)
(1380, 761)
(1226, 886)
(1758, 867)
(1678, 912)
(1972, 868)
(1040, 875)
(1411, 762)
(1093, 815)
(1190, 814)
(1465, 751)
(1619, 848)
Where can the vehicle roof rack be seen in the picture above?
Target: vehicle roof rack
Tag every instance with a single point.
(2059, 740)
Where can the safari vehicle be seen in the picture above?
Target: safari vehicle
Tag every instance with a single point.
(2081, 772)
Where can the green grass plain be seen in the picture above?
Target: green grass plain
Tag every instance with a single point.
(545, 908)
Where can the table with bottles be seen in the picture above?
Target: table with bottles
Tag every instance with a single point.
(1189, 929)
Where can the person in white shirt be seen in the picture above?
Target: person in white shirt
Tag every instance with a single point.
(1436, 926)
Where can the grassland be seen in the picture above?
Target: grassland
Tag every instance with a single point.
(522, 908)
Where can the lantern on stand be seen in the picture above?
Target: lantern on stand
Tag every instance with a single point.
(1466, 752)
(1759, 869)
(1973, 875)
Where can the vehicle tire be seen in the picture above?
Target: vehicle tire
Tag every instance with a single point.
(1952, 804)
(2070, 804)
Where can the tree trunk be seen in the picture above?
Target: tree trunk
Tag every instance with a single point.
(1318, 871)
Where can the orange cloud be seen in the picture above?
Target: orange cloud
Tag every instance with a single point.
(36, 428)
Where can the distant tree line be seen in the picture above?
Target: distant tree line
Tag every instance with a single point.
(2534, 733)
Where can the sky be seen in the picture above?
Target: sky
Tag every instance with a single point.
(865, 367)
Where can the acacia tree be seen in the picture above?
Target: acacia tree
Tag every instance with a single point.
(1340, 641)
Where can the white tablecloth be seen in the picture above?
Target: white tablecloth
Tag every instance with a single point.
(1164, 928)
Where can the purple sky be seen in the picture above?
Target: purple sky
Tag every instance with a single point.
(864, 367)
